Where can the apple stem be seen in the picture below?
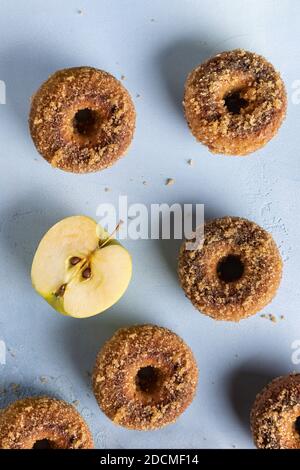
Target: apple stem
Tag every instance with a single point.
(112, 234)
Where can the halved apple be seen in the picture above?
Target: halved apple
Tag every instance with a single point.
(79, 269)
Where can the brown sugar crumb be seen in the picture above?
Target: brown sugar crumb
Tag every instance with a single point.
(235, 102)
(76, 402)
(15, 387)
(271, 317)
(123, 77)
(144, 377)
(27, 421)
(275, 414)
(234, 273)
(11, 352)
(170, 181)
(82, 119)
(107, 189)
(190, 162)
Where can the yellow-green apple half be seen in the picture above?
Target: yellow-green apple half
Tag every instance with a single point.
(79, 269)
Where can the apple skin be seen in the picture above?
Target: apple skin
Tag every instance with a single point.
(58, 302)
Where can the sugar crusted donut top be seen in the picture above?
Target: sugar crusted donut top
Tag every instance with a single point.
(275, 412)
(238, 70)
(55, 105)
(118, 363)
(239, 237)
(28, 420)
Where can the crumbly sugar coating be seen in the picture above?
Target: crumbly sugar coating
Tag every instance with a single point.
(86, 142)
(275, 412)
(27, 421)
(123, 399)
(254, 82)
(258, 283)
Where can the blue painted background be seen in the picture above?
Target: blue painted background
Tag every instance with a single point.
(154, 44)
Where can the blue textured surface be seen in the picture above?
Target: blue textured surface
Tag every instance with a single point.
(154, 44)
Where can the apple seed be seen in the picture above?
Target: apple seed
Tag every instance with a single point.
(86, 273)
(60, 292)
(74, 260)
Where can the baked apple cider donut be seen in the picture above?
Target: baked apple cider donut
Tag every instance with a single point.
(145, 377)
(234, 273)
(82, 119)
(275, 416)
(235, 102)
(43, 423)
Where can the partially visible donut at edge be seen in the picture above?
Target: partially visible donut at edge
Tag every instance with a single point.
(32, 421)
(275, 415)
(82, 119)
(235, 102)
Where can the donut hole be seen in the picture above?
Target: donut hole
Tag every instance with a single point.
(147, 379)
(43, 444)
(297, 425)
(234, 102)
(84, 122)
(230, 268)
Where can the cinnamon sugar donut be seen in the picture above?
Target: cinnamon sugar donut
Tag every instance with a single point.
(235, 102)
(82, 119)
(144, 377)
(275, 416)
(234, 273)
(42, 422)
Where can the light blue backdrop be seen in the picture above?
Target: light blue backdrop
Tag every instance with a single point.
(154, 44)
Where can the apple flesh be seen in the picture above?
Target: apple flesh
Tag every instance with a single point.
(79, 269)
